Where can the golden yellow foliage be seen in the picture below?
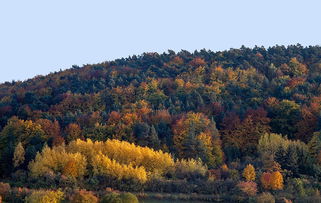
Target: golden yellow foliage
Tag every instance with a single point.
(114, 158)
(130, 118)
(216, 87)
(272, 181)
(87, 148)
(124, 153)
(179, 82)
(102, 165)
(153, 84)
(276, 181)
(249, 173)
(231, 75)
(190, 85)
(70, 169)
(55, 160)
(206, 139)
(128, 153)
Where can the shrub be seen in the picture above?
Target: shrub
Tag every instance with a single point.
(45, 196)
(128, 198)
(83, 196)
(265, 197)
(119, 198)
(189, 168)
(249, 188)
(102, 181)
(111, 198)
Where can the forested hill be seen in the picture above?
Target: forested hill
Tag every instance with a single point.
(209, 105)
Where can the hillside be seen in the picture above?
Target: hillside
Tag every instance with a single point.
(219, 110)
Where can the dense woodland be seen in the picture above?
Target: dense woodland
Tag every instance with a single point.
(236, 125)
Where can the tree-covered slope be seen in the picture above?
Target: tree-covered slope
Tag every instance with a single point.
(215, 106)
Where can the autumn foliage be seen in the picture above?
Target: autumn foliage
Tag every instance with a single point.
(102, 165)
(272, 180)
(249, 173)
(248, 187)
(58, 160)
(113, 158)
(172, 122)
(45, 196)
(124, 153)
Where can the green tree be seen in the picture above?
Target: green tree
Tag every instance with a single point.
(315, 146)
(28, 133)
(285, 115)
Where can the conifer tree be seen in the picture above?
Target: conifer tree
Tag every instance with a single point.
(19, 155)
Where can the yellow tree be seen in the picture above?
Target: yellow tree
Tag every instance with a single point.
(124, 153)
(195, 136)
(297, 68)
(44, 196)
(276, 181)
(102, 165)
(70, 169)
(57, 160)
(129, 153)
(249, 173)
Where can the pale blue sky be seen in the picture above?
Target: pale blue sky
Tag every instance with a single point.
(39, 37)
